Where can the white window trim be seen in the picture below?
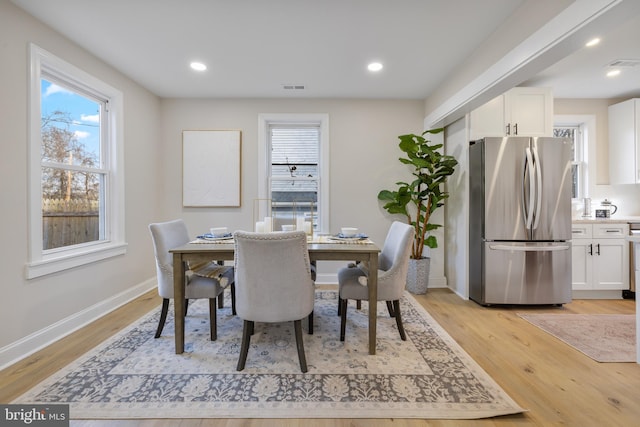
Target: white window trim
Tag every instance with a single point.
(40, 263)
(264, 120)
(587, 123)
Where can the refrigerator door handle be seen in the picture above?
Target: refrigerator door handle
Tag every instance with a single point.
(529, 168)
(530, 248)
(538, 173)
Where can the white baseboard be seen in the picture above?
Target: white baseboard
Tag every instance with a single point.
(597, 294)
(28, 345)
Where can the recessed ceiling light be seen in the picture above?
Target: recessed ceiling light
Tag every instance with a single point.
(613, 73)
(593, 42)
(198, 66)
(374, 66)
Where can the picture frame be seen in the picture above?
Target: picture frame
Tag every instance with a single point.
(211, 168)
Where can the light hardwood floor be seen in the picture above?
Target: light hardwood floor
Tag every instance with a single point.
(557, 384)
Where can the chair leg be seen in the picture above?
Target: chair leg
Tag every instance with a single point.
(343, 318)
(163, 317)
(311, 323)
(221, 300)
(247, 330)
(233, 298)
(213, 319)
(396, 310)
(297, 324)
(186, 306)
(390, 309)
(358, 304)
(339, 305)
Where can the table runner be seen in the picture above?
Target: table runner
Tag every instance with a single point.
(322, 238)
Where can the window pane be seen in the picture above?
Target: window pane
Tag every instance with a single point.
(70, 208)
(294, 198)
(575, 175)
(70, 126)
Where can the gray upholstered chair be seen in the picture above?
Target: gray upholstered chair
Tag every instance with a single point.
(210, 285)
(393, 263)
(273, 284)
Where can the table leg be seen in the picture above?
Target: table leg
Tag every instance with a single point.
(373, 301)
(178, 300)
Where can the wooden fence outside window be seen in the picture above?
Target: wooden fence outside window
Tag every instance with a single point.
(69, 222)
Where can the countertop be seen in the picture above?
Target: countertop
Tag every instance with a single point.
(613, 220)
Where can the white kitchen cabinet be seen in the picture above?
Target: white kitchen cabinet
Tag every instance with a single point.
(600, 257)
(624, 142)
(521, 111)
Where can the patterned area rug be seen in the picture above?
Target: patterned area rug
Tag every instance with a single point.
(134, 375)
(602, 337)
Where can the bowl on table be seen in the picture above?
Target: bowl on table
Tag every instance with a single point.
(348, 232)
(219, 231)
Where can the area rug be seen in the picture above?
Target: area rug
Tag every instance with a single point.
(602, 337)
(134, 375)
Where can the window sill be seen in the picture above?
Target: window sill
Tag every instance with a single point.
(66, 261)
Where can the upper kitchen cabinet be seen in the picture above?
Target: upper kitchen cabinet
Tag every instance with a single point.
(624, 142)
(522, 111)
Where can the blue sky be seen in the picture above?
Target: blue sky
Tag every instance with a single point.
(84, 112)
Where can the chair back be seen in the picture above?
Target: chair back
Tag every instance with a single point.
(166, 236)
(272, 276)
(393, 262)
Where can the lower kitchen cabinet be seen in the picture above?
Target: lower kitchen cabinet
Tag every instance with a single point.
(600, 257)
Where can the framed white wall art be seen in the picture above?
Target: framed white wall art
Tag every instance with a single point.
(211, 168)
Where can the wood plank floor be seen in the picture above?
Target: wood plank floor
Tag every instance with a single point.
(557, 384)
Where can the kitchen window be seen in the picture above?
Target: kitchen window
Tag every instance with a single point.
(76, 191)
(294, 167)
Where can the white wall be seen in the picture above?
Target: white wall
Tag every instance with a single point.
(34, 311)
(363, 159)
(457, 210)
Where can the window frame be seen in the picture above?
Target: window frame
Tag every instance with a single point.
(42, 262)
(586, 125)
(264, 165)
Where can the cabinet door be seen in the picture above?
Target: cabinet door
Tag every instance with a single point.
(488, 120)
(581, 261)
(529, 111)
(624, 159)
(610, 264)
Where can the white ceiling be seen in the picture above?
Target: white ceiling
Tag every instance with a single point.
(253, 48)
(583, 74)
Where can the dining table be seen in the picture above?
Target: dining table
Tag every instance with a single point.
(321, 248)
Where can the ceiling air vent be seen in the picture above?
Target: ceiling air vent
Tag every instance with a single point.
(293, 87)
(627, 63)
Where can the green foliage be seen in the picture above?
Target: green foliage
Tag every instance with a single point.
(418, 199)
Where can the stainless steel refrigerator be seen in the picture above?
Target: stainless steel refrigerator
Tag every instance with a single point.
(520, 220)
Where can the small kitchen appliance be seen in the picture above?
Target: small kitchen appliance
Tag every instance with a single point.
(607, 208)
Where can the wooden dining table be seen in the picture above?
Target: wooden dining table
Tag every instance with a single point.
(319, 250)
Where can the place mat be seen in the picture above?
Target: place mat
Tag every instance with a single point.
(333, 240)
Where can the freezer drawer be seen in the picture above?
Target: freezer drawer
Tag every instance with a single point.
(527, 273)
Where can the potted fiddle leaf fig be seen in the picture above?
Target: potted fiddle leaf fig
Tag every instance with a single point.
(418, 199)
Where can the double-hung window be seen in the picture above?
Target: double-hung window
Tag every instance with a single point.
(76, 187)
(294, 172)
(578, 157)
